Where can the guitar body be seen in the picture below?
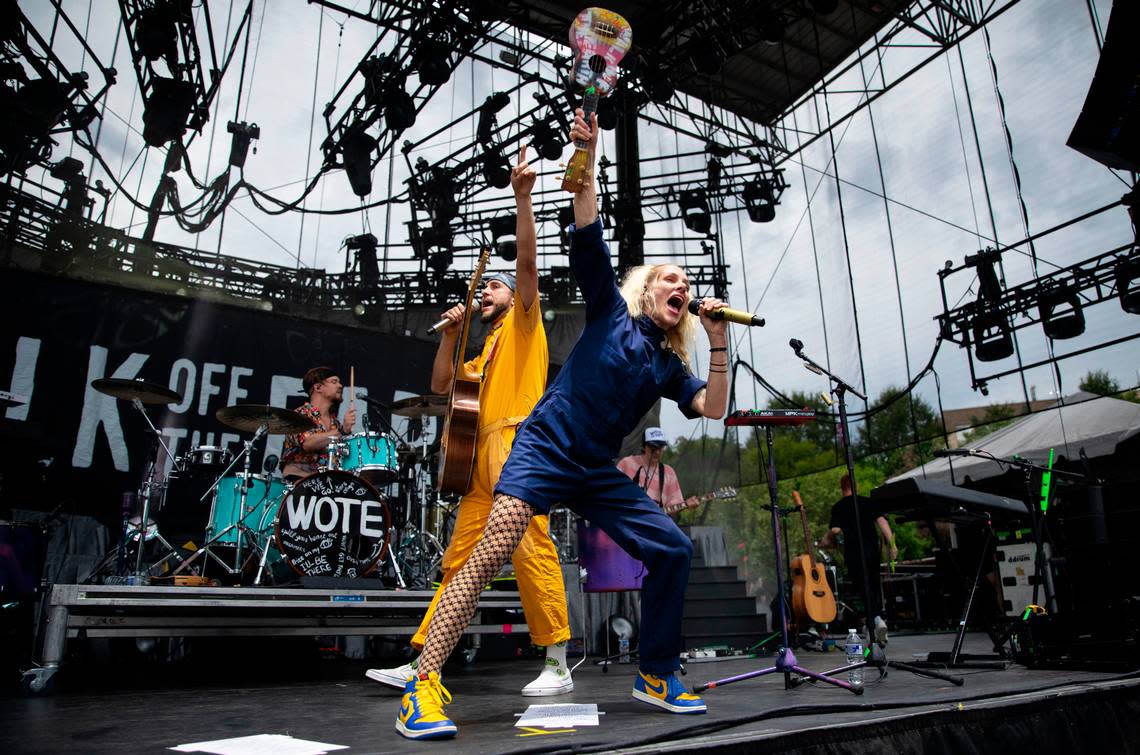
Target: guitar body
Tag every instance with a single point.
(460, 428)
(600, 39)
(812, 599)
(461, 423)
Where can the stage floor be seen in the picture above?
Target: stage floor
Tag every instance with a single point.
(98, 713)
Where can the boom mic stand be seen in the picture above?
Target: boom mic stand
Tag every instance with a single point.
(877, 655)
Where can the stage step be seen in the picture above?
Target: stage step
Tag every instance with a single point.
(716, 590)
(704, 574)
(710, 606)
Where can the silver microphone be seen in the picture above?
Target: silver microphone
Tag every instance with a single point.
(443, 323)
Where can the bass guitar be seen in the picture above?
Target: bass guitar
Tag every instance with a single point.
(812, 599)
(693, 501)
(600, 39)
(461, 422)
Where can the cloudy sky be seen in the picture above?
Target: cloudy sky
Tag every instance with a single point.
(926, 206)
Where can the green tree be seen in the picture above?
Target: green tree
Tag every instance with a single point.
(1100, 383)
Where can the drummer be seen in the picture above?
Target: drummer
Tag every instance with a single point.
(305, 453)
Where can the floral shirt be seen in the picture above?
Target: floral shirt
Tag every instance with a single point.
(294, 449)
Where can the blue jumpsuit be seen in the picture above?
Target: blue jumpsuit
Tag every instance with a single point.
(564, 451)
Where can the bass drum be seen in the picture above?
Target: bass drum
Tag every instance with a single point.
(333, 524)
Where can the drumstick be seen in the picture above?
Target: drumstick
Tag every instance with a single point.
(352, 388)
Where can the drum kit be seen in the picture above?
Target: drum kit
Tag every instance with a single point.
(256, 526)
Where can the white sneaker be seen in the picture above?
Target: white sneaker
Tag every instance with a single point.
(880, 630)
(554, 680)
(393, 677)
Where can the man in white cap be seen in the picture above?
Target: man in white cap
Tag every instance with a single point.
(658, 480)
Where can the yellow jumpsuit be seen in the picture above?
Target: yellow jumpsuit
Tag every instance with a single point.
(513, 366)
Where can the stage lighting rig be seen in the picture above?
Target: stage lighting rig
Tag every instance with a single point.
(39, 96)
(178, 98)
(425, 238)
(363, 250)
(496, 170)
(985, 327)
(694, 205)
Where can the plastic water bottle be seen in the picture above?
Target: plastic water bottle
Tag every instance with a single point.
(623, 649)
(854, 647)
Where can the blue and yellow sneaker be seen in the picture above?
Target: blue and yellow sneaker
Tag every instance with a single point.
(666, 692)
(421, 709)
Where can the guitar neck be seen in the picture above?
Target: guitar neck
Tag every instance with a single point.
(589, 106)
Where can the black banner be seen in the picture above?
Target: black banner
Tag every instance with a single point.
(74, 446)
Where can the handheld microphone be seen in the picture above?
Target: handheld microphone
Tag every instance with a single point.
(443, 323)
(732, 315)
(955, 452)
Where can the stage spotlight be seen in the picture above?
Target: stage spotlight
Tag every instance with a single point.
(1128, 284)
(547, 141)
(496, 171)
(399, 110)
(484, 131)
(356, 149)
(440, 261)
(992, 336)
(708, 58)
(363, 248)
(715, 169)
(167, 109)
(503, 234)
(423, 240)
(243, 133)
(1062, 315)
(156, 33)
(434, 63)
(760, 201)
(695, 210)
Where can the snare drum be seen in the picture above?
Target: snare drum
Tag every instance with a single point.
(206, 460)
(369, 455)
(261, 500)
(333, 524)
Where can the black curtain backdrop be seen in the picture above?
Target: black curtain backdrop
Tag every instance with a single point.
(74, 448)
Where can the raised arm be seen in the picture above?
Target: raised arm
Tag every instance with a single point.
(586, 199)
(526, 263)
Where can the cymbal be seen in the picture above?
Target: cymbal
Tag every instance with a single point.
(129, 390)
(417, 406)
(249, 417)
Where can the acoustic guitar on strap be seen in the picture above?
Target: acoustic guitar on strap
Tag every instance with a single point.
(600, 39)
(812, 599)
(461, 423)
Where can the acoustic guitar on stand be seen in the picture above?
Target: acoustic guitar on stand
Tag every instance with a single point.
(600, 39)
(812, 599)
(461, 424)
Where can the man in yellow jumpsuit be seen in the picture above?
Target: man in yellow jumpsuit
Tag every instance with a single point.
(512, 365)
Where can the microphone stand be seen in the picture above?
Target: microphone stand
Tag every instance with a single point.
(841, 388)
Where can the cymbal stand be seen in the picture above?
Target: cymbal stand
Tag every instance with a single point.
(243, 529)
(147, 489)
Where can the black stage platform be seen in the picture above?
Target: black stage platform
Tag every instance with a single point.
(1008, 711)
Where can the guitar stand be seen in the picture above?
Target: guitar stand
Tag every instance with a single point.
(786, 662)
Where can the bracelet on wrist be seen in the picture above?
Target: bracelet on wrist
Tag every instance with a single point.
(717, 348)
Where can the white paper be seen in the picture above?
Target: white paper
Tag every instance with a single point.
(564, 716)
(260, 744)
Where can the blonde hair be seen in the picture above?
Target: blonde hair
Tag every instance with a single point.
(639, 301)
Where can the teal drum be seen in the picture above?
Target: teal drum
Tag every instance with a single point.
(261, 501)
(370, 456)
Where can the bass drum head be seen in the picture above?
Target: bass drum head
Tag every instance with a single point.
(333, 524)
